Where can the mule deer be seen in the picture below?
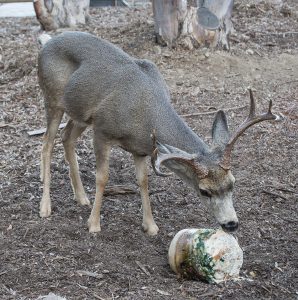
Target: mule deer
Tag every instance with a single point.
(125, 100)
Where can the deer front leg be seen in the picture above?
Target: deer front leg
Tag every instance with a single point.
(149, 225)
(102, 154)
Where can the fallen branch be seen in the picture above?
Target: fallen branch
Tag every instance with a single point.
(164, 293)
(278, 33)
(212, 112)
(157, 192)
(90, 274)
(233, 75)
(283, 189)
(118, 190)
(43, 130)
(143, 268)
(24, 236)
(98, 297)
(262, 286)
(2, 125)
(274, 194)
(287, 219)
(206, 295)
(287, 82)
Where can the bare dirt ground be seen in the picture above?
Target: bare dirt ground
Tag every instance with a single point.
(39, 256)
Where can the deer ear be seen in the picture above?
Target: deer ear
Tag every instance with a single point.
(220, 130)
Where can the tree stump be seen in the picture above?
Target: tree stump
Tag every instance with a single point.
(193, 23)
(53, 14)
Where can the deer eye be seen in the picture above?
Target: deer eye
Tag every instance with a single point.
(205, 193)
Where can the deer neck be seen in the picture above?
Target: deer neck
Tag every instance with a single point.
(180, 135)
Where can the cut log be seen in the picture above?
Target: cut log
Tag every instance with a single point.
(53, 14)
(193, 23)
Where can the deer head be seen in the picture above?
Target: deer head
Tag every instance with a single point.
(209, 172)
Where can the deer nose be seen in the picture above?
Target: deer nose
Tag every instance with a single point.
(230, 226)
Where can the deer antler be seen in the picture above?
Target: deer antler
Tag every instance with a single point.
(156, 161)
(252, 119)
(154, 157)
(158, 158)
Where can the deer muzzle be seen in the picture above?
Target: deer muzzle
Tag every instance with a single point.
(224, 212)
(230, 226)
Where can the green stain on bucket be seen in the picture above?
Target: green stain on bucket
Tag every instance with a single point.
(199, 264)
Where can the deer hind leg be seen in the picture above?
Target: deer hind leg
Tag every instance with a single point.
(53, 121)
(69, 136)
(149, 225)
(102, 154)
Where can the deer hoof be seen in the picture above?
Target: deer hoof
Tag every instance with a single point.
(150, 229)
(83, 200)
(94, 226)
(45, 210)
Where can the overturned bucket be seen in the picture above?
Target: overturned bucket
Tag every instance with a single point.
(205, 254)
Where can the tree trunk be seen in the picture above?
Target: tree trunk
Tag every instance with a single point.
(193, 23)
(53, 14)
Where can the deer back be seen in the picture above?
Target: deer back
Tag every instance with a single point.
(124, 98)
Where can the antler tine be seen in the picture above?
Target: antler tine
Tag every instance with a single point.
(269, 108)
(250, 120)
(153, 137)
(155, 161)
(158, 158)
(252, 108)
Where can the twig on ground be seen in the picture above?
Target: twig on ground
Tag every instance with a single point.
(206, 295)
(274, 194)
(157, 192)
(290, 81)
(118, 190)
(286, 219)
(212, 112)
(233, 75)
(24, 236)
(263, 287)
(278, 33)
(98, 297)
(43, 130)
(142, 267)
(163, 292)
(2, 125)
(283, 189)
(90, 274)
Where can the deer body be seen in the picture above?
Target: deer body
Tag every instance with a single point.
(124, 99)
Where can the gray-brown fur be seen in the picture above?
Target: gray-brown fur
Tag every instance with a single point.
(123, 97)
